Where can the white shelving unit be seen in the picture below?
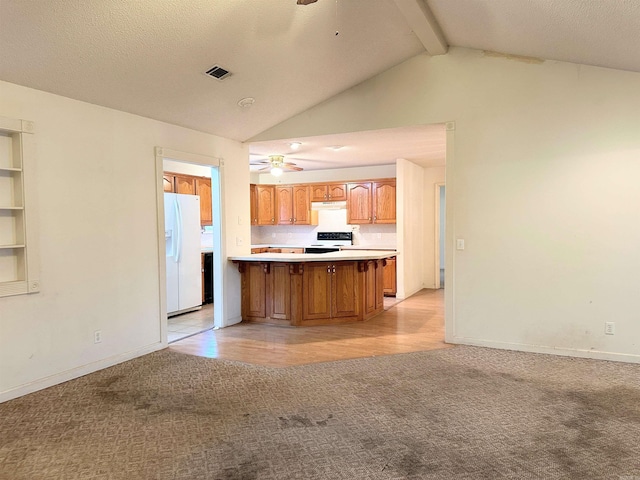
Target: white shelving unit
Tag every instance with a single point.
(18, 261)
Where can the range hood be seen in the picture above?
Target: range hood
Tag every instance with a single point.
(329, 205)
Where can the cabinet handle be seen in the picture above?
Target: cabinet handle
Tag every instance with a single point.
(329, 269)
(334, 269)
(329, 195)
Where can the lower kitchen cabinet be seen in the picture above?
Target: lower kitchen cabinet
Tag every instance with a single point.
(389, 276)
(311, 293)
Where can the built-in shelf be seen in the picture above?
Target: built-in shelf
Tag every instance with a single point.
(18, 258)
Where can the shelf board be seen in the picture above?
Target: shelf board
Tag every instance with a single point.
(4, 247)
(10, 169)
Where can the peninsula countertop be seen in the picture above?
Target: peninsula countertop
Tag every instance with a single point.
(343, 255)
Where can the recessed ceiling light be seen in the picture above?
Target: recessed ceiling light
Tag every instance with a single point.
(246, 102)
(336, 147)
(295, 145)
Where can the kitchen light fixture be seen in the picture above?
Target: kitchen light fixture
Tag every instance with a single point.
(295, 145)
(276, 171)
(336, 147)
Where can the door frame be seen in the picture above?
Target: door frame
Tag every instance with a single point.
(217, 175)
(438, 233)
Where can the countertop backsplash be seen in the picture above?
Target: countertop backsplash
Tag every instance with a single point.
(382, 235)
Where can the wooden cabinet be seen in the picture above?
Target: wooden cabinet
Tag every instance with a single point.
(371, 202)
(253, 195)
(266, 292)
(373, 299)
(191, 185)
(293, 205)
(330, 290)
(359, 203)
(389, 278)
(328, 192)
(168, 182)
(185, 184)
(266, 205)
(203, 189)
(384, 202)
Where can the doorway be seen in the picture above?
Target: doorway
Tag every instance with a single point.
(189, 250)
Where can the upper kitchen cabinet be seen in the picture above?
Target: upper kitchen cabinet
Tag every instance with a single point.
(332, 192)
(359, 202)
(266, 205)
(253, 196)
(203, 188)
(384, 202)
(168, 182)
(371, 202)
(293, 205)
(185, 184)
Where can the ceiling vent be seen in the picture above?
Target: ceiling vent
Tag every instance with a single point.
(218, 72)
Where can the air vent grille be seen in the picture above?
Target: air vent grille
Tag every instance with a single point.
(218, 72)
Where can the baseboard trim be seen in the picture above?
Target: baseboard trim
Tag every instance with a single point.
(565, 352)
(67, 375)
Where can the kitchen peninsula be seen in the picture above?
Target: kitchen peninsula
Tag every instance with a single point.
(301, 289)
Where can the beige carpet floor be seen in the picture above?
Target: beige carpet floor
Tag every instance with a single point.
(459, 413)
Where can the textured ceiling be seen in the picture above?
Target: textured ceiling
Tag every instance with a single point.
(603, 33)
(148, 57)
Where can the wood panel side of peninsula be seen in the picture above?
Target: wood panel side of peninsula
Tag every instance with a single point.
(311, 293)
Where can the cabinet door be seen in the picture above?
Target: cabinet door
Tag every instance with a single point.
(203, 188)
(185, 184)
(168, 182)
(301, 205)
(266, 204)
(344, 289)
(319, 193)
(253, 195)
(337, 192)
(279, 294)
(389, 277)
(254, 291)
(284, 205)
(316, 291)
(359, 203)
(384, 202)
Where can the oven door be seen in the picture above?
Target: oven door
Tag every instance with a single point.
(321, 249)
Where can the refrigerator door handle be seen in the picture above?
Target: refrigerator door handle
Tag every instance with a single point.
(178, 242)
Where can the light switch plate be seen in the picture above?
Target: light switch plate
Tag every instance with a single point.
(460, 244)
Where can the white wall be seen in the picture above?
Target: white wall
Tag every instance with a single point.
(410, 214)
(97, 223)
(543, 188)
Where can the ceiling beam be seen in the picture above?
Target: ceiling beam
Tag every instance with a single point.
(424, 25)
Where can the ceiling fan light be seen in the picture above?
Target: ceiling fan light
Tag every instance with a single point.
(276, 171)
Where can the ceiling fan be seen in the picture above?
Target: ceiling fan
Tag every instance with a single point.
(277, 165)
(306, 2)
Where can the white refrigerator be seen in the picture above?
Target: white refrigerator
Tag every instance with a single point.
(182, 238)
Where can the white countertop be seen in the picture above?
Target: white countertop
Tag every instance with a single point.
(343, 255)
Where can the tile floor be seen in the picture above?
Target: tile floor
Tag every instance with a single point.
(187, 324)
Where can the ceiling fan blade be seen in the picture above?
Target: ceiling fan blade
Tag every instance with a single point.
(306, 2)
(297, 169)
(288, 163)
(265, 168)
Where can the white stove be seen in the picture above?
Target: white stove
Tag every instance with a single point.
(330, 242)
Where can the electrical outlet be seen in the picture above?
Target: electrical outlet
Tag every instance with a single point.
(609, 328)
(97, 336)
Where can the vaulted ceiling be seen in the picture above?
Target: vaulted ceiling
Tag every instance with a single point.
(149, 57)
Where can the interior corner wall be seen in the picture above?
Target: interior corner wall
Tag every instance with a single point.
(544, 191)
(95, 182)
(432, 176)
(410, 228)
